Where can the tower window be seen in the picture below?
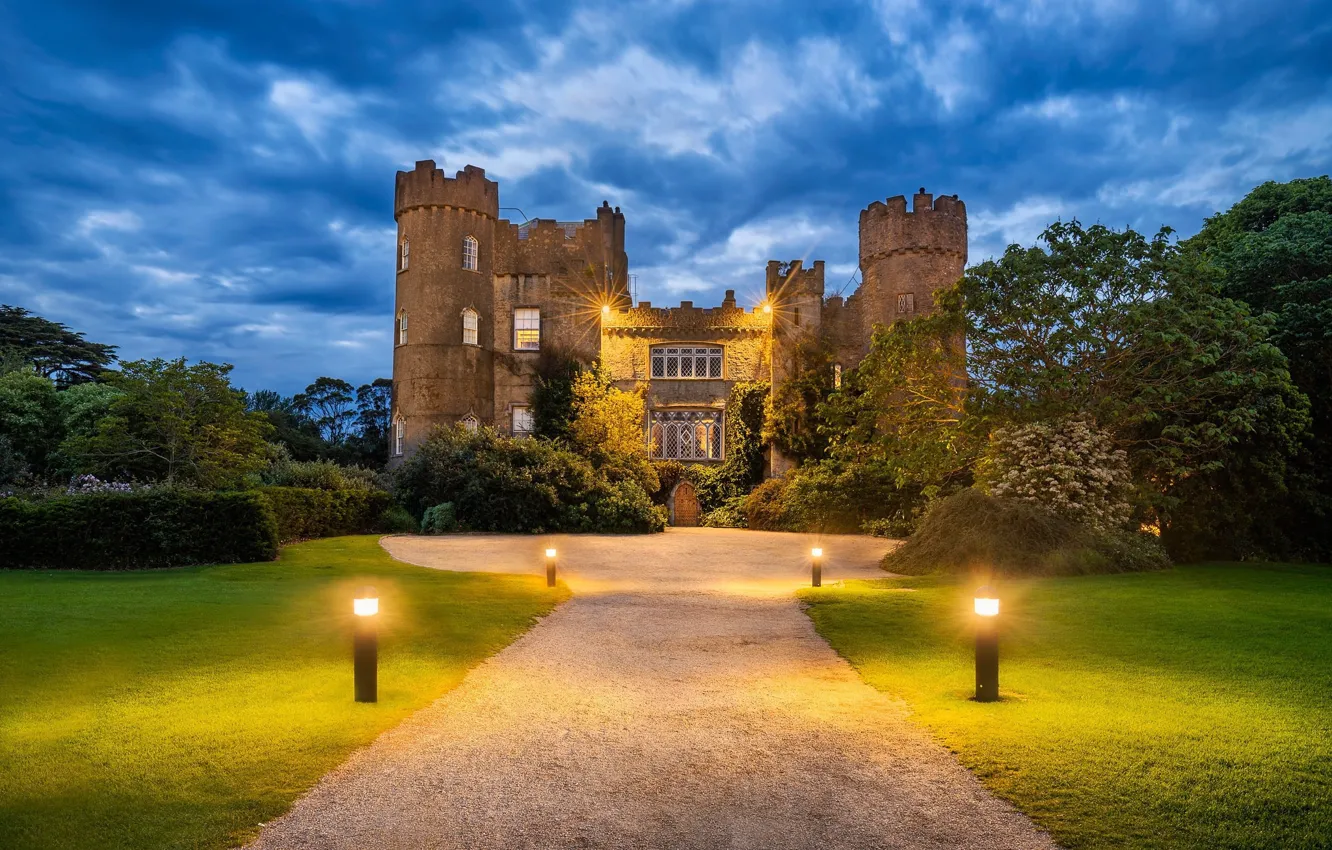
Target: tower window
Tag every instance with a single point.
(837, 376)
(797, 316)
(469, 253)
(527, 329)
(402, 329)
(523, 423)
(404, 255)
(398, 430)
(469, 318)
(906, 302)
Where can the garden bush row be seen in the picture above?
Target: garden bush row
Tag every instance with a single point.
(168, 527)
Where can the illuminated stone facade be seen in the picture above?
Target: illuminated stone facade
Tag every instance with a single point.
(479, 299)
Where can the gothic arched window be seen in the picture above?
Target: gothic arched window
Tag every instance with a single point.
(470, 324)
(469, 253)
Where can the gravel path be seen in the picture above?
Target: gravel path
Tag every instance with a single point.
(679, 700)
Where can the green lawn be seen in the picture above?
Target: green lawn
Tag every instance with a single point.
(1188, 708)
(182, 708)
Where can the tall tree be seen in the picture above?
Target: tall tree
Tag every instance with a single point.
(177, 424)
(51, 348)
(331, 405)
(1132, 332)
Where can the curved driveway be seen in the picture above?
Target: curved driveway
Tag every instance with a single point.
(679, 700)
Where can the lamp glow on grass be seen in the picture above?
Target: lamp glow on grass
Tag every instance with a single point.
(1184, 708)
(182, 708)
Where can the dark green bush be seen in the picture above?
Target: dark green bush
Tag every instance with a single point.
(440, 519)
(303, 513)
(500, 484)
(396, 520)
(731, 514)
(154, 528)
(972, 533)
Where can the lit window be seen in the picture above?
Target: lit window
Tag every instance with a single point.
(469, 326)
(837, 375)
(906, 302)
(796, 314)
(686, 434)
(402, 329)
(469, 253)
(691, 361)
(470, 422)
(527, 329)
(523, 423)
(406, 251)
(398, 429)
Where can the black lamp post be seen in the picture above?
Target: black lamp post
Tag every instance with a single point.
(987, 645)
(365, 645)
(550, 568)
(816, 570)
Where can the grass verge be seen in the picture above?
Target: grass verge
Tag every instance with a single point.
(184, 708)
(1179, 709)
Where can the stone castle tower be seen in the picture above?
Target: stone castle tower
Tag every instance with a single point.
(480, 298)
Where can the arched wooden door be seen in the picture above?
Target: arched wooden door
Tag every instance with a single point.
(684, 505)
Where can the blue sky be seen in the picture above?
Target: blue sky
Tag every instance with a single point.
(215, 180)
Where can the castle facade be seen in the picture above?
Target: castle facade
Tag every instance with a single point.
(480, 298)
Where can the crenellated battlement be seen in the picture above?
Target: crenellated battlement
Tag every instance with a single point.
(933, 225)
(729, 317)
(427, 186)
(792, 280)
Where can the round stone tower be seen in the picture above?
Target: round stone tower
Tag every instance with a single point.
(905, 257)
(440, 375)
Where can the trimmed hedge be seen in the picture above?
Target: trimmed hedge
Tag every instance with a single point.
(303, 513)
(155, 528)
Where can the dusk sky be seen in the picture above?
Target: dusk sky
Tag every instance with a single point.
(215, 180)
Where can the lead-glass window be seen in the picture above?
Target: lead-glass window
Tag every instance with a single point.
(689, 361)
(686, 434)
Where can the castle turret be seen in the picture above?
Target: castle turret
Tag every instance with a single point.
(905, 257)
(443, 367)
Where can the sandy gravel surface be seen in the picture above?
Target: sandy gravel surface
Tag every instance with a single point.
(680, 700)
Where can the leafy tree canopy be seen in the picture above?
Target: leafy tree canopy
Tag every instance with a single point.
(51, 348)
(178, 424)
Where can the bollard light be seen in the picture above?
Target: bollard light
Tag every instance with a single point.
(365, 645)
(550, 568)
(986, 605)
(816, 571)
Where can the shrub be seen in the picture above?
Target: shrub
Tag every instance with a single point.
(971, 532)
(303, 513)
(319, 475)
(1069, 466)
(839, 498)
(163, 527)
(765, 508)
(396, 520)
(440, 519)
(500, 484)
(730, 514)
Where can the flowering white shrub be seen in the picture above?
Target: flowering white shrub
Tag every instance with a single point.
(1069, 466)
(81, 485)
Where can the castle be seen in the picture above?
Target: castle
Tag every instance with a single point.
(479, 298)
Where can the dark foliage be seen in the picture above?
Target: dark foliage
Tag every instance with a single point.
(553, 395)
(303, 513)
(52, 349)
(155, 528)
(500, 484)
(971, 533)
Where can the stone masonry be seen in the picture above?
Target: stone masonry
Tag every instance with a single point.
(459, 262)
